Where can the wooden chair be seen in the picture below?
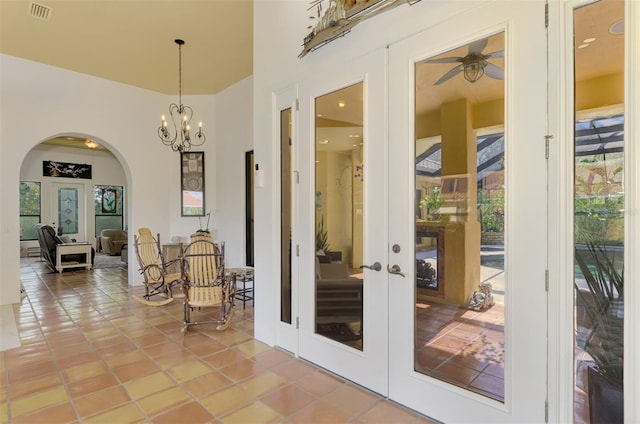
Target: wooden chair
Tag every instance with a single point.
(205, 284)
(158, 282)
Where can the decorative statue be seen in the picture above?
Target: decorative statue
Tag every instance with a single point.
(482, 299)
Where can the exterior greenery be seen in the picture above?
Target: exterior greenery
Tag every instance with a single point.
(599, 202)
(491, 210)
(30, 200)
(432, 203)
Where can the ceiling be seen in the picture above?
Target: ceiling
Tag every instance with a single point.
(132, 41)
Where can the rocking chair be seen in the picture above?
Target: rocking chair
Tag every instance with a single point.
(205, 284)
(158, 282)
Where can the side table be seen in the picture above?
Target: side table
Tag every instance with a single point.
(244, 276)
(73, 249)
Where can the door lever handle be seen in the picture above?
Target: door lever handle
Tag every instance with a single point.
(395, 269)
(376, 266)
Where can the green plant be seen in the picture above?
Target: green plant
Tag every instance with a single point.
(599, 218)
(432, 203)
(322, 237)
(206, 229)
(603, 303)
(491, 210)
(599, 201)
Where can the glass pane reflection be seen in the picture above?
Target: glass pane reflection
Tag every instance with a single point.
(286, 217)
(599, 213)
(339, 177)
(459, 209)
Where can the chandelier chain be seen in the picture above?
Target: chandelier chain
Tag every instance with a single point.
(180, 74)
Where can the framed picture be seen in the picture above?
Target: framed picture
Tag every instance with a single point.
(192, 183)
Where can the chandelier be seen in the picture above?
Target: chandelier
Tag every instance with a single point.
(178, 136)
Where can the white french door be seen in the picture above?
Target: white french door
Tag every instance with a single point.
(467, 163)
(343, 304)
(68, 206)
(424, 209)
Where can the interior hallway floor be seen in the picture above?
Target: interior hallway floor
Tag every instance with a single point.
(90, 353)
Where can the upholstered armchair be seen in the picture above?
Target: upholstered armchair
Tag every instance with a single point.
(111, 241)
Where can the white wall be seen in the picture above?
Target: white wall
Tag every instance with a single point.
(234, 137)
(38, 102)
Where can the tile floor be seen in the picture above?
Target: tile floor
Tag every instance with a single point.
(92, 354)
(462, 346)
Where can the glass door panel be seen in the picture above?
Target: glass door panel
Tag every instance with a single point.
(339, 215)
(599, 212)
(69, 210)
(286, 215)
(460, 209)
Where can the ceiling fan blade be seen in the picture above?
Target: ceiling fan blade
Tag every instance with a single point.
(445, 60)
(477, 46)
(499, 53)
(452, 73)
(493, 71)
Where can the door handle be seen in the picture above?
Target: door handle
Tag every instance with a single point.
(376, 266)
(395, 269)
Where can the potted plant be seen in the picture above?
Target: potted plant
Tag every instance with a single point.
(204, 230)
(603, 301)
(323, 253)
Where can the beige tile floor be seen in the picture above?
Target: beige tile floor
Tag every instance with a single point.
(90, 353)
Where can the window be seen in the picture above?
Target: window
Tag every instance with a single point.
(29, 209)
(108, 207)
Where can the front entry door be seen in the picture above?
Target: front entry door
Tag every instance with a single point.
(69, 210)
(467, 216)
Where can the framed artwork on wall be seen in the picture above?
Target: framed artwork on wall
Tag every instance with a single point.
(192, 183)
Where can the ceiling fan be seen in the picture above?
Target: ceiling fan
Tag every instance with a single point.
(474, 65)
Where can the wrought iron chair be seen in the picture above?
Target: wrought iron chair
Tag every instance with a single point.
(158, 281)
(205, 283)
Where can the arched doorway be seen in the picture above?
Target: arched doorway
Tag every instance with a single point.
(78, 185)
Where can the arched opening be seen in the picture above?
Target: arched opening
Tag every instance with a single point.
(78, 184)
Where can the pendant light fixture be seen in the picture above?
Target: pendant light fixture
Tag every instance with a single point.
(178, 135)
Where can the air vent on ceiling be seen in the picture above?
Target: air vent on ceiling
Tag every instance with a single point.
(39, 11)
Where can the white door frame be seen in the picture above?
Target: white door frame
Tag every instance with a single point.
(286, 334)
